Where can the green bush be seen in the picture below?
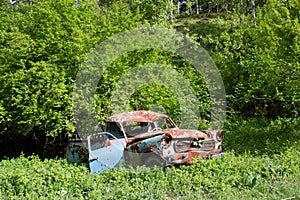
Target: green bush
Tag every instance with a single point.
(258, 60)
(261, 135)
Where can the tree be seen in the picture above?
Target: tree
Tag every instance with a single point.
(260, 64)
(42, 46)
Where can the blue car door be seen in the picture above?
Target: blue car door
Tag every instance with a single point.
(105, 152)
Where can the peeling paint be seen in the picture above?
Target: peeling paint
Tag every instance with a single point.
(149, 137)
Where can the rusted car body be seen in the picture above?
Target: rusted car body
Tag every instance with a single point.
(150, 138)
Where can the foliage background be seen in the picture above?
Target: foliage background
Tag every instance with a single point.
(255, 45)
(44, 43)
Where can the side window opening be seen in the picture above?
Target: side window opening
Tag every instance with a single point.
(114, 129)
(163, 123)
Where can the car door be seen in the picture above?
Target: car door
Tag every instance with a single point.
(105, 152)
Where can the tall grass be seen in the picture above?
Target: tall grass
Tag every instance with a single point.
(257, 165)
(261, 136)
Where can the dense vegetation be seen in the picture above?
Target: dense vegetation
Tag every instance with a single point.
(43, 45)
(255, 45)
(273, 173)
(244, 176)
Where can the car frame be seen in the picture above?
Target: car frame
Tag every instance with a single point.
(149, 138)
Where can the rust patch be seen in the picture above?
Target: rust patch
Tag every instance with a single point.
(196, 154)
(77, 151)
(136, 116)
(143, 132)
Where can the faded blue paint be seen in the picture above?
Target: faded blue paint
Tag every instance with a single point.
(76, 152)
(147, 144)
(73, 157)
(105, 158)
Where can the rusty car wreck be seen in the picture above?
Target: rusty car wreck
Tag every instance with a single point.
(148, 138)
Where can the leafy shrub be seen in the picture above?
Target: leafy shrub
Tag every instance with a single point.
(261, 135)
(259, 62)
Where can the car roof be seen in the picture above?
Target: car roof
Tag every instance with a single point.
(136, 116)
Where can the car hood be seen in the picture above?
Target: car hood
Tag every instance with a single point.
(186, 133)
(172, 133)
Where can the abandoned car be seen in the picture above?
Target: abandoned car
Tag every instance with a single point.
(145, 138)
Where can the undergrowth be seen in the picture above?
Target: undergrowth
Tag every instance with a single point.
(257, 165)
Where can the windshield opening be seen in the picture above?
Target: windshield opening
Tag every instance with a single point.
(136, 128)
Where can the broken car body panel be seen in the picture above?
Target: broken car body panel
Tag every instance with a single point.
(149, 138)
(105, 152)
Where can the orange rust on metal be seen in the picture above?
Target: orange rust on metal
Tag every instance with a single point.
(136, 116)
(186, 133)
(196, 154)
(76, 151)
(147, 135)
(176, 146)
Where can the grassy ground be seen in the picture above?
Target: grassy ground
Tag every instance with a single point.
(262, 162)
